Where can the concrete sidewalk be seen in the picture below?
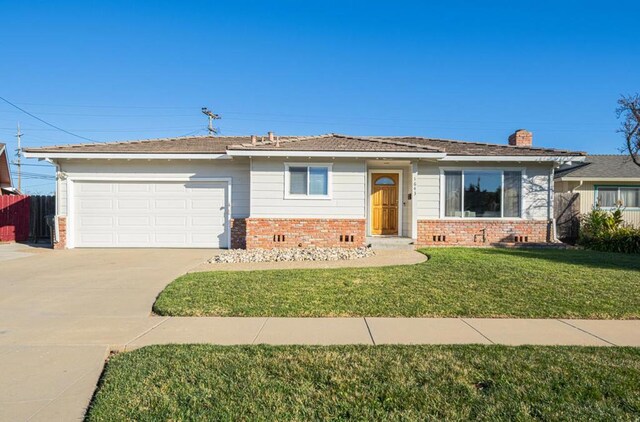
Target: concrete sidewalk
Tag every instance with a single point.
(328, 331)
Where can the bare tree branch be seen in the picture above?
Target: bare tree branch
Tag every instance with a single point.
(629, 110)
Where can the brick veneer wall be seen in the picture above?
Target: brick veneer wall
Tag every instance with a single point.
(238, 233)
(61, 242)
(468, 232)
(271, 233)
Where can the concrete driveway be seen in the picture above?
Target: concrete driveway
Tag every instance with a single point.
(61, 312)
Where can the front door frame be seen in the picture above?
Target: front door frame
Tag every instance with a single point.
(370, 173)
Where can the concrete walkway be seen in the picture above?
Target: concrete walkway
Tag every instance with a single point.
(63, 312)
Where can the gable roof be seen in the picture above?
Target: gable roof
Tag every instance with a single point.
(601, 167)
(5, 172)
(320, 143)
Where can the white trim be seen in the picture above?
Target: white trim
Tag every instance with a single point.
(72, 179)
(414, 201)
(487, 169)
(370, 207)
(511, 158)
(351, 154)
(126, 156)
(598, 179)
(307, 196)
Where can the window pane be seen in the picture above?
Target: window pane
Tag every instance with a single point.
(607, 197)
(512, 193)
(453, 193)
(482, 194)
(298, 180)
(318, 180)
(385, 181)
(630, 197)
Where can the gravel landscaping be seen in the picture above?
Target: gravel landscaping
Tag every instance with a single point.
(292, 254)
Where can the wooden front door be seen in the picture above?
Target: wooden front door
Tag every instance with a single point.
(384, 203)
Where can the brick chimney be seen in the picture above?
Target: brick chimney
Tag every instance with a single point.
(271, 136)
(521, 138)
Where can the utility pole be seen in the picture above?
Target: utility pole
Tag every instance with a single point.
(212, 116)
(19, 156)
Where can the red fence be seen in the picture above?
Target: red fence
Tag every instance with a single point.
(14, 218)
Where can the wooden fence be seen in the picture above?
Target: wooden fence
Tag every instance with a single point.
(22, 217)
(567, 214)
(40, 207)
(14, 218)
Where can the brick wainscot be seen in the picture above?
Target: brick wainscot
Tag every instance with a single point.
(270, 233)
(61, 241)
(481, 232)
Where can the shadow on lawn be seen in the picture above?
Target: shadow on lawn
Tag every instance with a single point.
(602, 260)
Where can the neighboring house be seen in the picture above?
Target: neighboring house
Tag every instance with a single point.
(6, 187)
(603, 180)
(328, 190)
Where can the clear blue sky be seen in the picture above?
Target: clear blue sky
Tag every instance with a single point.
(464, 70)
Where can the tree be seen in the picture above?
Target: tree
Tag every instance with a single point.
(629, 110)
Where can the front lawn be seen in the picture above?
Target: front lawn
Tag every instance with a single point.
(203, 382)
(525, 283)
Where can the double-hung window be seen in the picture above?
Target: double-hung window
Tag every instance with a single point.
(482, 193)
(612, 196)
(308, 181)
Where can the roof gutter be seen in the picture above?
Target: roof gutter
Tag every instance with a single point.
(513, 158)
(350, 154)
(126, 156)
(597, 179)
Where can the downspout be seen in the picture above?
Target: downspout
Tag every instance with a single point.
(550, 206)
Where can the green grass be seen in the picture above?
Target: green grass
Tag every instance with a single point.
(526, 283)
(302, 383)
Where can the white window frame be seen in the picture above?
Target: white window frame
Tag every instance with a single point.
(287, 181)
(501, 170)
(597, 189)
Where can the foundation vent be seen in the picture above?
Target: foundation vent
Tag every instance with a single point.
(520, 239)
(346, 238)
(278, 238)
(439, 238)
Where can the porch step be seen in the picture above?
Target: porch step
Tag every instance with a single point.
(394, 242)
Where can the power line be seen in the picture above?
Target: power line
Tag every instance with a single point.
(44, 121)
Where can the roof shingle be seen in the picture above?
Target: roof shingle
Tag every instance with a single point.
(602, 166)
(329, 142)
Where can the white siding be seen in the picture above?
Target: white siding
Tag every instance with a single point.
(428, 191)
(267, 191)
(236, 169)
(536, 192)
(587, 197)
(535, 188)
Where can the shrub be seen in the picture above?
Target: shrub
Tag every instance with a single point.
(605, 231)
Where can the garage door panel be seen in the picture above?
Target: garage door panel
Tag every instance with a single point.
(170, 204)
(133, 204)
(104, 238)
(96, 204)
(171, 238)
(133, 187)
(134, 221)
(94, 187)
(134, 238)
(150, 214)
(171, 221)
(97, 221)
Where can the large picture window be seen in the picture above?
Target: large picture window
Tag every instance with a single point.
(482, 193)
(612, 196)
(307, 180)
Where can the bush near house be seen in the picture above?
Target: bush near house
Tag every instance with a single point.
(605, 231)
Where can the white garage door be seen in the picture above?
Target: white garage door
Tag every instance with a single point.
(150, 214)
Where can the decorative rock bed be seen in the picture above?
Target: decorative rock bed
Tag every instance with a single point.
(293, 254)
